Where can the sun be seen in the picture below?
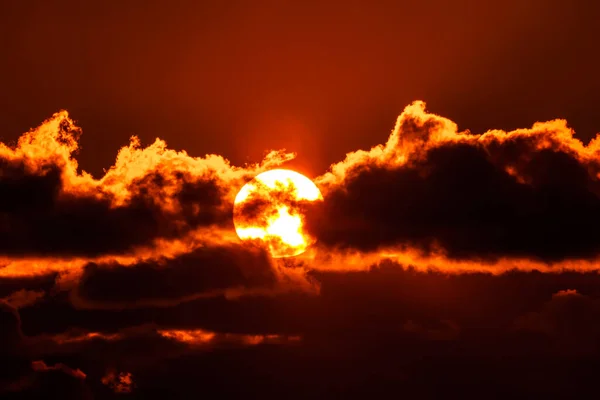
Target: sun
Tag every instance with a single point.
(270, 210)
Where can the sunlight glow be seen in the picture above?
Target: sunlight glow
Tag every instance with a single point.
(279, 222)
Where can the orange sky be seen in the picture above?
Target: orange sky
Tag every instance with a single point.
(318, 79)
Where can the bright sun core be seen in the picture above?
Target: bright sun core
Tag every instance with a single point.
(270, 210)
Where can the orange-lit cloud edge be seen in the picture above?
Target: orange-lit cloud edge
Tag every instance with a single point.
(192, 337)
(55, 143)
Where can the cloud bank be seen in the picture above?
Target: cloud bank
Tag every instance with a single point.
(436, 242)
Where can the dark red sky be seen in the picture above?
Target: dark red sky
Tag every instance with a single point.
(320, 78)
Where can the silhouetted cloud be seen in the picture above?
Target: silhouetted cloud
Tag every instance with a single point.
(151, 193)
(530, 193)
(231, 269)
(570, 319)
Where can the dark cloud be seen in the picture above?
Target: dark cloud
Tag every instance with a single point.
(23, 377)
(205, 270)
(51, 208)
(389, 329)
(380, 300)
(40, 219)
(525, 194)
(570, 319)
(11, 335)
(55, 381)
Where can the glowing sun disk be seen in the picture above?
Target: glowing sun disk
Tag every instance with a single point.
(266, 209)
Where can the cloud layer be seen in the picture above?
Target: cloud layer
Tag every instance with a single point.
(431, 244)
(530, 193)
